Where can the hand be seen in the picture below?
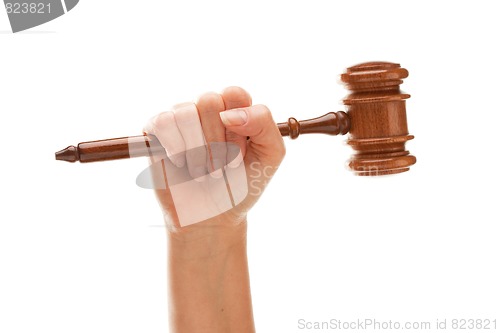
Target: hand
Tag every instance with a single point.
(222, 152)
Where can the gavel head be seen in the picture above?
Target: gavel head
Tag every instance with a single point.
(377, 112)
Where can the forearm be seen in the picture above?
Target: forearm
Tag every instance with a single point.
(208, 281)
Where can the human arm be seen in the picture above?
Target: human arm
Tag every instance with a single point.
(208, 269)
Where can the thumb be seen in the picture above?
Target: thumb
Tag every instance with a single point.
(256, 122)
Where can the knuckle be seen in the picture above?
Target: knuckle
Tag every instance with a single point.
(183, 110)
(162, 120)
(236, 93)
(209, 98)
(263, 111)
(282, 149)
(186, 115)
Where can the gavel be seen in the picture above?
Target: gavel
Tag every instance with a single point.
(375, 119)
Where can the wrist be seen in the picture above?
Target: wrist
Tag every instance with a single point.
(206, 239)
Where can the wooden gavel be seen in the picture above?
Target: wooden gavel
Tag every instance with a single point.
(375, 120)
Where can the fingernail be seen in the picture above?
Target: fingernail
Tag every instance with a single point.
(234, 117)
(236, 162)
(216, 174)
(217, 169)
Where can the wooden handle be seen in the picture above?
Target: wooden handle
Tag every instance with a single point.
(332, 123)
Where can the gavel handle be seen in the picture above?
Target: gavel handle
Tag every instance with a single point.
(332, 123)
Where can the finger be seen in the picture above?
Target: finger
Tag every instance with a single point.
(209, 106)
(164, 127)
(236, 97)
(257, 123)
(188, 122)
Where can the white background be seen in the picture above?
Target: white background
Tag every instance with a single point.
(81, 246)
